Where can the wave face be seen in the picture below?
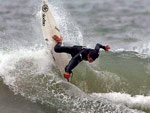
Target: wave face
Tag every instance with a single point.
(118, 81)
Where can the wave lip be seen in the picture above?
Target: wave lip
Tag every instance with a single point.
(137, 101)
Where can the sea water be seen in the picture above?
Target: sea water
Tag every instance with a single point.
(118, 81)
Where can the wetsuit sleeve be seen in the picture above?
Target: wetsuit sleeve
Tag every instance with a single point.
(98, 46)
(73, 63)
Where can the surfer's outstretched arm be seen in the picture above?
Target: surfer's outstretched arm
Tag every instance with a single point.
(98, 46)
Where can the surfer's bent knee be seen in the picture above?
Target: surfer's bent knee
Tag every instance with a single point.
(57, 48)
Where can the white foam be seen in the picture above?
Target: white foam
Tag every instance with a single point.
(137, 101)
(143, 49)
(8, 61)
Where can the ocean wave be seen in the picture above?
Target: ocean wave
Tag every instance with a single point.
(136, 102)
(31, 73)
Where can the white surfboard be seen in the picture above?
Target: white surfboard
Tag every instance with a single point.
(50, 28)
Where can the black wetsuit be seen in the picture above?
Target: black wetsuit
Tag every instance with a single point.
(78, 54)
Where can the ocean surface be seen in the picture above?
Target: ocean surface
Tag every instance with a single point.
(117, 82)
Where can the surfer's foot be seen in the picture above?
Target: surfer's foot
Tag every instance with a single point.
(57, 39)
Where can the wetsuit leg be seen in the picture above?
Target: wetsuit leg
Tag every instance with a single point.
(60, 49)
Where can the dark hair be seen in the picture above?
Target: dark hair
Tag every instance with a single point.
(93, 55)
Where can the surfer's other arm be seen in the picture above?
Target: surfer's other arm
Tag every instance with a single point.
(72, 64)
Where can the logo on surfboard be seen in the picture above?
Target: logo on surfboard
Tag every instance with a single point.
(45, 8)
(43, 19)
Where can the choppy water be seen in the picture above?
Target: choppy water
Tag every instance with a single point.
(116, 82)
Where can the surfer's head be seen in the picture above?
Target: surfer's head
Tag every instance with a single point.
(92, 56)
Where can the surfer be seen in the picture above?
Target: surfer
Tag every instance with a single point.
(78, 54)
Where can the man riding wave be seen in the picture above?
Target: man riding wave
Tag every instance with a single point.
(78, 54)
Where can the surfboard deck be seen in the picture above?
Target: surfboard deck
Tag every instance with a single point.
(49, 29)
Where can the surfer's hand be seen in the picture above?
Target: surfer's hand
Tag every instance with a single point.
(67, 76)
(107, 48)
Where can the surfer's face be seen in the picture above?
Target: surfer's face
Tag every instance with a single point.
(90, 59)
